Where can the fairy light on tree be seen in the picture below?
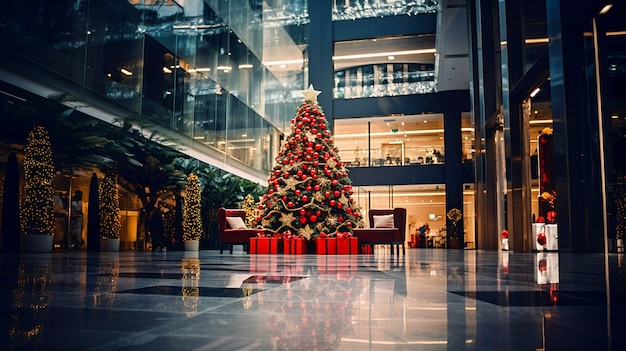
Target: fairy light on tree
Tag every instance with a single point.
(249, 206)
(110, 224)
(309, 193)
(192, 218)
(37, 203)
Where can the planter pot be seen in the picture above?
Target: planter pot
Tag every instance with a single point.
(110, 244)
(192, 245)
(36, 243)
(455, 243)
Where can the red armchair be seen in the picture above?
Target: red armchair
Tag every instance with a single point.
(393, 236)
(229, 236)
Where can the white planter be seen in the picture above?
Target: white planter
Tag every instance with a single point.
(36, 243)
(192, 245)
(110, 244)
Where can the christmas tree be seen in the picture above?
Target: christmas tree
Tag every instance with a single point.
(310, 193)
(110, 222)
(192, 217)
(37, 199)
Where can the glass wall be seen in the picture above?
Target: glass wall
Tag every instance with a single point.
(391, 140)
(218, 74)
(390, 66)
(425, 204)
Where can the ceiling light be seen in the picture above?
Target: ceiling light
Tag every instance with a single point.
(616, 33)
(126, 72)
(383, 54)
(391, 57)
(535, 92)
(246, 65)
(224, 68)
(536, 41)
(194, 70)
(606, 8)
(166, 70)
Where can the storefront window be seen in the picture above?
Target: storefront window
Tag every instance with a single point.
(391, 141)
(425, 204)
(367, 68)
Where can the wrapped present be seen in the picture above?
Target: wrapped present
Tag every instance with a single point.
(294, 245)
(325, 245)
(264, 244)
(347, 244)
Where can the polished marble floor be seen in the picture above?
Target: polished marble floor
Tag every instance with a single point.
(429, 299)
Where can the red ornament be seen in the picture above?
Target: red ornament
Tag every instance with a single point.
(297, 192)
(337, 193)
(541, 239)
(305, 198)
(313, 219)
(316, 187)
(332, 203)
(302, 211)
(290, 204)
(303, 220)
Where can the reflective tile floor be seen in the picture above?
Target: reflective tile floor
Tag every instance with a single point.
(429, 299)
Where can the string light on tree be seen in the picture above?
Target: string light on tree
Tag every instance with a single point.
(36, 210)
(309, 192)
(192, 217)
(249, 207)
(110, 224)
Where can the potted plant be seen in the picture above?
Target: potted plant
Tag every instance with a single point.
(454, 216)
(110, 224)
(37, 202)
(192, 219)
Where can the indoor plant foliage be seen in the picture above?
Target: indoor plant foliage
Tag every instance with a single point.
(454, 215)
(192, 218)
(36, 210)
(110, 224)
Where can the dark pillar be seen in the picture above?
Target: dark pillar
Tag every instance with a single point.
(320, 52)
(485, 95)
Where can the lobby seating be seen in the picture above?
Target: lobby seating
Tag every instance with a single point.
(233, 236)
(383, 232)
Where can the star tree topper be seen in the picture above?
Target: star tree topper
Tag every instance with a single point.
(311, 94)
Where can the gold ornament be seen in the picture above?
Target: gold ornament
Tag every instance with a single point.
(306, 232)
(287, 219)
(311, 94)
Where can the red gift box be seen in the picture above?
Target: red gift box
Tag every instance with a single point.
(264, 245)
(294, 245)
(347, 244)
(326, 246)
